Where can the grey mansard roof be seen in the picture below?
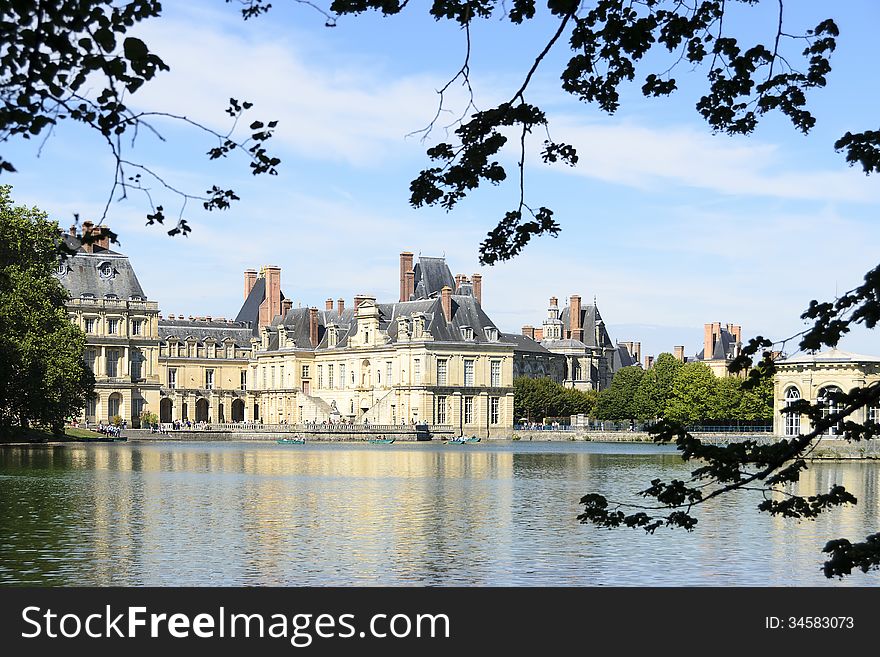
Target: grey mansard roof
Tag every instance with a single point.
(522, 343)
(249, 313)
(203, 330)
(431, 275)
(589, 318)
(82, 274)
(724, 347)
(466, 312)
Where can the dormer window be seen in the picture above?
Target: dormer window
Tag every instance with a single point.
(86, 295)
(105, 269)
(491, 333)
(111, 296)
(467, 333)
(61, 269)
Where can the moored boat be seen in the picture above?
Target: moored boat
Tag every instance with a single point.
(291, 441)
(381, 441)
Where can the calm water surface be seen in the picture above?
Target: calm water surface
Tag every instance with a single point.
(404, 514)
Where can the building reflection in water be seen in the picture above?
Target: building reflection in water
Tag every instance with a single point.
(487, 514)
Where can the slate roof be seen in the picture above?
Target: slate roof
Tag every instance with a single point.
(82, 273)
(249, 313)
(589, 316)
(524, 344)
(724, 347)
(621, 358)
(431, 275)
(466, 312)
(202, 330)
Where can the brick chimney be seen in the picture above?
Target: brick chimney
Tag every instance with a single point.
(649, 362)
(286, 305)
(359, 299)
(446, 302)
(528, 331)
(539, 334)
(554, 302)
(104, 239)
(340, 306)
(708, 342)
(637, 351)
(737, 333)
(72, 231)
(271, 305)
(679, 352)
(406, 275)
(328, 305)
(477, 284)
(313, 326)
(459, 279)
(250, 277)
(574, 323)
(88, 227)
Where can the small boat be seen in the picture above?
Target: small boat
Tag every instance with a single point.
(463, 440)
(291, 441)
(472, 439)
(381, 441)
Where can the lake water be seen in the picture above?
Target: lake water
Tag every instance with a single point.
(159, 514)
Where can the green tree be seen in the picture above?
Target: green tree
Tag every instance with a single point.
(693, 394)
(535, 399)
(655, 388)
(616, 401)
(727, 404)
(43, 378)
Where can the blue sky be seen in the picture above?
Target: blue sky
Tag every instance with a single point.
(668, 226)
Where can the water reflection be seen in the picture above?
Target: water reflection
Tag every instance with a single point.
(488, 514)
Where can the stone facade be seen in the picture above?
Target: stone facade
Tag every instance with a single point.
(810, 376)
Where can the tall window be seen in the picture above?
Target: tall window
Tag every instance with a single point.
(137, 327)
(468, 410)
(388, 366)
(90, 355)
(90, 324)
(441, 371)
(172, 377)
(272, 376)
(243, 384)
(112, 362)
(305, 371)
(320, 376)
(265, 380)
(417, 371)
(342, 375)
(831, 407)
(792, 420)
(209, 379)
(494, 405)
(469, 372)
(329, 376)
(440, 417)
(112, 326)
(136, 360)
(874, 414)
(495, 373)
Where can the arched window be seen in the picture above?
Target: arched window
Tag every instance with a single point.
(831, 407)
(792, 420)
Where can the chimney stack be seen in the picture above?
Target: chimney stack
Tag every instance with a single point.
(539, 334)
(103, 237)
(72, 231)
(554, 302)
(649, 362)
(459, 279)
(446, 302)
(528, 331)
(406, 275)
(86, 232)
(271, 305)
(286, 305)
(340, 306)
(708, 342)
(328, 305)
(313, 326)
(679, 352)
(359, 299)
(477, 284)
(250, 277)
(637, 351)
(574, 319)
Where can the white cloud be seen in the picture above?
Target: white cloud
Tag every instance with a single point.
(650, 158)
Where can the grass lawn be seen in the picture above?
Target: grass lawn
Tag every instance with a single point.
(35, 435)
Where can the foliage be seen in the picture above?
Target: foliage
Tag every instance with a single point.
(43, 379)
(616, 402)
(148, 418)
(77, 61)
(693, 392)
(655, 388)
(536, 399)
(116, 420)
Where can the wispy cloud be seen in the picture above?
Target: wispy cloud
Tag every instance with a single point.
(651, 158)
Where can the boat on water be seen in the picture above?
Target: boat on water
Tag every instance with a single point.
(381, 441)
(291, 441)
(463, 440)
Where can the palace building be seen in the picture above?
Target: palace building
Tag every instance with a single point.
(431, 356)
